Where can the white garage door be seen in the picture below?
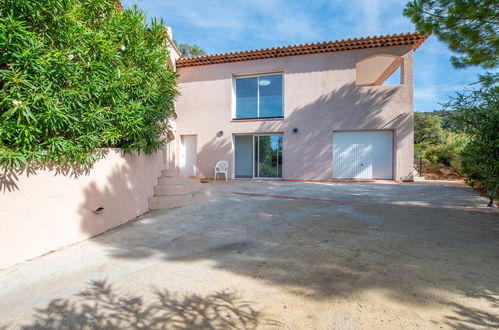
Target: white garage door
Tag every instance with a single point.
(362, 155)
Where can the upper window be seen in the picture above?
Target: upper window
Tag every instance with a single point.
(259, 97)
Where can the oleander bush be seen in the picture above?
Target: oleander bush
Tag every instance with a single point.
(77, 76)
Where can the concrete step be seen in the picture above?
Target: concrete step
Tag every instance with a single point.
(416, 177)
(175, 180)
(169, 173)
(178, 200)
(173, 189)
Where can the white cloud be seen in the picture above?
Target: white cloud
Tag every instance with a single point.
(268, 22)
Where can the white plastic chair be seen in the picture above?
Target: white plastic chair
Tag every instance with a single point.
(222, 167)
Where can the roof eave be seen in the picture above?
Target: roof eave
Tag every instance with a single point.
(414, 39)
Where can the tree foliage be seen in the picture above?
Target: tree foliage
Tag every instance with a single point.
(448, 119)
(448, 152)
(77, 76)
(428, 129)
(469, 27)
(479, 119)
(187, 50)
(435, 143)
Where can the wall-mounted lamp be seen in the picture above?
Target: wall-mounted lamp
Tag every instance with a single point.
(295, 130)
(220, 133)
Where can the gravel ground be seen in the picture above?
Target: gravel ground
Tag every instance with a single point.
(363, 256)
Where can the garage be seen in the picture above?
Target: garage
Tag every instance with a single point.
(363, 155)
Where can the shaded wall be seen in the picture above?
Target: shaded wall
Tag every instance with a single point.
(48, 209)
(320, 97)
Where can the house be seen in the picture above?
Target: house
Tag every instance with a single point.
(319, 111)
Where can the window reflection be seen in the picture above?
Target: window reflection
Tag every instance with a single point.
(259, 97)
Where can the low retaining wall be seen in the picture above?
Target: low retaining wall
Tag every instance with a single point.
(48, 209)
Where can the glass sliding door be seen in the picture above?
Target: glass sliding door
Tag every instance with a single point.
(267, 156)
(244, 156)
(258, 156)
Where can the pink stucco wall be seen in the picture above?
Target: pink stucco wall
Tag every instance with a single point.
(46, 210)
(320, 97)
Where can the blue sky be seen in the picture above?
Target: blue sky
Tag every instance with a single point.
(220, 26)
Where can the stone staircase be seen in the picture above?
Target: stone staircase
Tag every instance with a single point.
(176, 191)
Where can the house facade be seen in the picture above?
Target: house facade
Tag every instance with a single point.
(307, 112)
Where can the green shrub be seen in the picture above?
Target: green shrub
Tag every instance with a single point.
(430, 154)
(448, 152)
(77, 76)
(478, 173)
(479, 118)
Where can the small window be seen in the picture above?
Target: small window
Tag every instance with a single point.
(259, 97)
(393, 79)
(379, 70)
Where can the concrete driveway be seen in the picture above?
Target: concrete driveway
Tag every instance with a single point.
(276, 255)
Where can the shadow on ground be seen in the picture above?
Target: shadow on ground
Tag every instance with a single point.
(101, 307)
(413, 256)
(321, 252)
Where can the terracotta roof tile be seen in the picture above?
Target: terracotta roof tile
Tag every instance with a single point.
(414, 39)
